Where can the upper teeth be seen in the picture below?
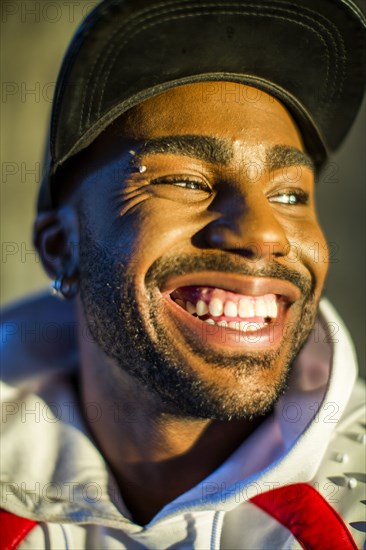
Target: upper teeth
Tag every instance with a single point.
(246, 308)
(202, 308)
(258, 306)
(230, 309)
(191, 308)
(215, 307)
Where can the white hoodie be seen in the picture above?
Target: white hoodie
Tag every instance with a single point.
(52, 472)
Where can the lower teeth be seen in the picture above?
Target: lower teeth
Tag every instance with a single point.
(242, 326)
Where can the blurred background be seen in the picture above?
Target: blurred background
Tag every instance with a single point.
(33, 40)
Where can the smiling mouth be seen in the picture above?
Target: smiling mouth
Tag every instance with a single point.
(223, 308)
(229, 310)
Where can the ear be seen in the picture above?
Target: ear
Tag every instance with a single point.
(56, 237)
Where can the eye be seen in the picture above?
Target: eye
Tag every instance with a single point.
(290, 197)
(184, 182)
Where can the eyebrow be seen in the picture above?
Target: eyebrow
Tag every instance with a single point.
(220, 151)
(207, 148)
(281, 156)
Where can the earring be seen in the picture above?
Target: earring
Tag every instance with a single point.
(63, 289)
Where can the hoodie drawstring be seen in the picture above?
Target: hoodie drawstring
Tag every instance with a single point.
(216, 530)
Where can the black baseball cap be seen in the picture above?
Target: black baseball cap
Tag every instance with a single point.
(309, 54)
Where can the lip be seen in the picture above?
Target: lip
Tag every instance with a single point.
(224, 339)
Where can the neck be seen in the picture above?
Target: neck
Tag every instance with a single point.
(155, 456)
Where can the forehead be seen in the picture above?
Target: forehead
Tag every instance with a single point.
(242, 115)
(252, 126)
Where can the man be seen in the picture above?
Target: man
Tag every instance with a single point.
(213, 403)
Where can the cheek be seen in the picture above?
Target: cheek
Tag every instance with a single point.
(155, 228)
(311, 251)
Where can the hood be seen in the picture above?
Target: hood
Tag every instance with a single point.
(52, 471)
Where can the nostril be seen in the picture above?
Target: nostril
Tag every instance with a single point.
(252, 241)
(217, 235)
(249, 253)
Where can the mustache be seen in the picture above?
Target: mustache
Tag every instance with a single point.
(164, 268)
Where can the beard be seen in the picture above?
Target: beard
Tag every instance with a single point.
(141, 346)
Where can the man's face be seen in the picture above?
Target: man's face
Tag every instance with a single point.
(200, 270)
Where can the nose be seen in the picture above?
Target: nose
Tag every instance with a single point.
(247, 226)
